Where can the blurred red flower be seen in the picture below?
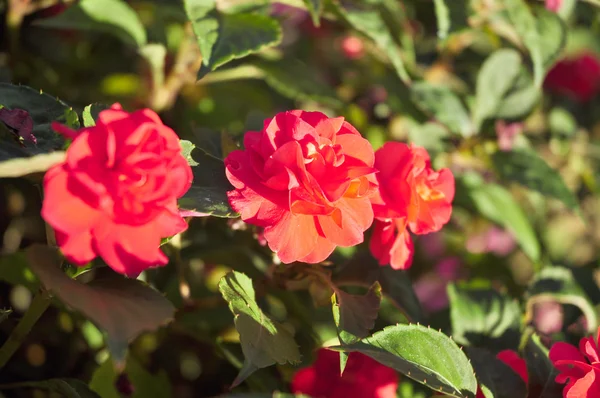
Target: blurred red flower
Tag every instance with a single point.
(352, 47)
(307, 180)
(116, 194)
(577, 77)
(363, 377)
(553, 5)
(515, 362)
(579, 368)
(411, 195)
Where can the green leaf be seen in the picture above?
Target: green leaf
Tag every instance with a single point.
(496, 379)
(364, 270)
(542, 372)
(443, 105)
(558, 284)
(90, 113)
(104, 379)
(208, 193)
(496, 77)
(35, 164)
(425, 355)
(145, 384)
(295, 80)
(315, 8)
(483, 317)
(67, 388)
(442, 14)
(356, 313)
(544, 36)
(113, 17)
(225, 37)
(43, 110)
(497, 204)
(134, 306)
(531, 171)
(14, 270)
(520, 99)
(264, 342)
(370, 23)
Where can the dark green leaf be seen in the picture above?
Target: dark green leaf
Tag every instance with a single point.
(497, 204)
(370, 23)
(264, 342)
(104, 379)
(544, 36)
(355, 315)
(315, 8)
(297, 81)
(481, 316)
(443, 105)
(520, 98)
(134, 306)
(43, 110)
(425, 355)
(496, 379)
(14, 270)
(363, 270)
(225, 37)
(497, 75)
(541, 370)
(531, 171)
(114, 17)
(558, 284)
(67, 388)
(208, 193)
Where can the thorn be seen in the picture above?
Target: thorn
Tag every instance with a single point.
(428, 326)
(418, 324)
(408, 373)
(424, 381)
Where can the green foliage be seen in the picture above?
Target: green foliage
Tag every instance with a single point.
(208, 191)
(555, 283)
(265, 342)
(496, 379)
(542, 373)
(425, 355)
(370, 23)
(497, 204)
(113, 17)
(443, 105)
(483, 317)
(134, 306)
(528, 169)
(68, 388)
(225, 37)
(43, 110)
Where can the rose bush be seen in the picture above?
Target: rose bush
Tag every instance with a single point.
(116, 194)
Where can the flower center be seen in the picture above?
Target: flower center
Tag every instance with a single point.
(427, 194)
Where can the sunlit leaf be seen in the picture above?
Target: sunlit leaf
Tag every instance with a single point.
(425, 355)
(114, 17)
(265, 342)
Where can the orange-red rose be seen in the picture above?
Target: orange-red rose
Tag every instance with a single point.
(411, 196)
(116, 194)
(306, 179)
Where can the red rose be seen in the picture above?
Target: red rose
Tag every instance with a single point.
(307, 180)
(363, 377)
(116, 194)
(411, 194)
(577, 77)
(579, 368)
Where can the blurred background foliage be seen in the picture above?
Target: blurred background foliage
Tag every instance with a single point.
(463, 78)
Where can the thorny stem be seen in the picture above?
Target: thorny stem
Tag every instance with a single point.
(38, 306)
